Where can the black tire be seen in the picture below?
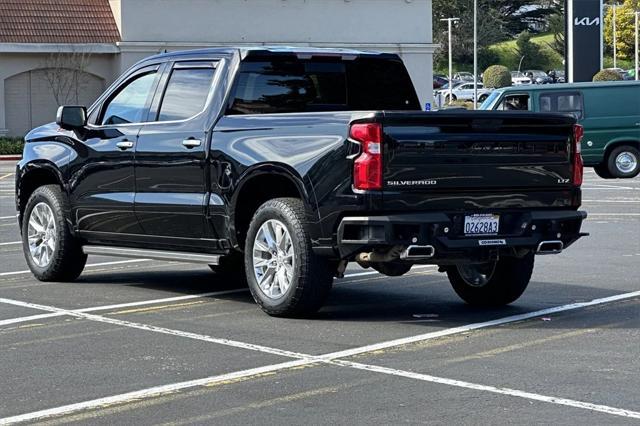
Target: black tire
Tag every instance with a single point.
(508, 280)
(67, 259)
(602, 171)
(312, 275)
(482, 98)
(631, 154)
(453, 98)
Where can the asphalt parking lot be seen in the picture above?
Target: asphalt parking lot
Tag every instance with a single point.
(149, 342)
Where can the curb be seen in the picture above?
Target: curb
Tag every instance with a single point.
(10, 157)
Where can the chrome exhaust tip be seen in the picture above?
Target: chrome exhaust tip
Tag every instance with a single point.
(418, 252)
(550, 247)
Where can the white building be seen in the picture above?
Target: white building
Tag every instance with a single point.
(40, 56)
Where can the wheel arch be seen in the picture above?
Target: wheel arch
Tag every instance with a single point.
(615, 143)
(260, 184)
(31, 176)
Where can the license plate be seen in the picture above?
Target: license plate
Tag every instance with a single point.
(481, 224)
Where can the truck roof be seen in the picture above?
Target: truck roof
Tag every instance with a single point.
(246, 51)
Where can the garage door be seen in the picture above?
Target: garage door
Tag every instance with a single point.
(29, 99)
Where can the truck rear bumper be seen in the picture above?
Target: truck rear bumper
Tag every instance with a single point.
(444, 232)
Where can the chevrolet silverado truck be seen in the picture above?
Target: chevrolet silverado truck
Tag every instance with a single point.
(281, 165)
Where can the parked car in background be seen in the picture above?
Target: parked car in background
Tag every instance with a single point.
(463, 76)
(439, 81)
(558, 76)
(284, 164)
(518, 78)
(461, 92)
(631, 74)
(609, 112)
(538, 77)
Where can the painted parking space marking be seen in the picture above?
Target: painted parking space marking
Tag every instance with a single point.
(118, 262)
(330, 358)
(503, 391)
(11, 243)
(167, 300)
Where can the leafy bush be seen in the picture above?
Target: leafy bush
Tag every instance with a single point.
(11, 146)
(496, 76)
(607, 75)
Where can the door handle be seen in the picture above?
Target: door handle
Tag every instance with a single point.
(191, 143)
(124, 145)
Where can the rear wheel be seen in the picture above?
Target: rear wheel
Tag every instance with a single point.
(285, 277)
(483, 98)
(494, 283)
(624, 162)
(51, 251)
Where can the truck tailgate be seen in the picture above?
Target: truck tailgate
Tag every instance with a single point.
(479, 159)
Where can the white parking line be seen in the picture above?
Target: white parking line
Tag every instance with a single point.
(7, 217)
(503, 391)
(330, 358)
(122, 305)
(157, 301)
(11, 243)
(118, 262)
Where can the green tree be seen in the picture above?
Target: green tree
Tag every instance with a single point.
(498, 20)
(531, 54)
(556, 27)
(625, 28)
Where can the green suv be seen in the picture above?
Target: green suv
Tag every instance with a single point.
(609, 112)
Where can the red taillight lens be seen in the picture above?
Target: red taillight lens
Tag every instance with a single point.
(367, 168)
(578, 165)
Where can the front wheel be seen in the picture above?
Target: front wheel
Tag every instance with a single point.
(51, 251)
(285, 277)
(624, 162)
(494, 283)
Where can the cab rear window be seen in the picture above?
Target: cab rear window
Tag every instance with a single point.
(285, 85)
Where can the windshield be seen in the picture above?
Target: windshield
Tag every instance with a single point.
(538, 73)
(490, 101)
(516, 74)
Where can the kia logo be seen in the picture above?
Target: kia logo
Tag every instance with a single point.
(587, 22)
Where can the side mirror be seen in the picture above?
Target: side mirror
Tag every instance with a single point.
(71, 117)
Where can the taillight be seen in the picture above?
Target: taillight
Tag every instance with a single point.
(367, 168)
(578, 165)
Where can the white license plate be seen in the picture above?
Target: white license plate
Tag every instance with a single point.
(481, 224)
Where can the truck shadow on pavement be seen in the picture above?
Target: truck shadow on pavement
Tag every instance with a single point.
(426, 301)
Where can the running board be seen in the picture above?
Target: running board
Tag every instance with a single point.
(177, 256)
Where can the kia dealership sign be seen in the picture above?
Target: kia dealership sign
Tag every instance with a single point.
(584, 39)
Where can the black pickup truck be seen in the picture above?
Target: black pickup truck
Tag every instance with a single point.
(283, 165)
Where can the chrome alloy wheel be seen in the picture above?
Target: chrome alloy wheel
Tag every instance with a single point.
(273, 259)
(626, 162)
(41, 234)
(477, 275)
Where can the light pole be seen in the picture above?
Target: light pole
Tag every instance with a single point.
(475, 53)
(637, 13)
(615, 48)
(450, 22)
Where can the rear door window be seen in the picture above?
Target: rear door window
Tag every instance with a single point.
(565, 102)
(186, 93)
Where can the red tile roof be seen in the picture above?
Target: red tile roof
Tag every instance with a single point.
(57, 21)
